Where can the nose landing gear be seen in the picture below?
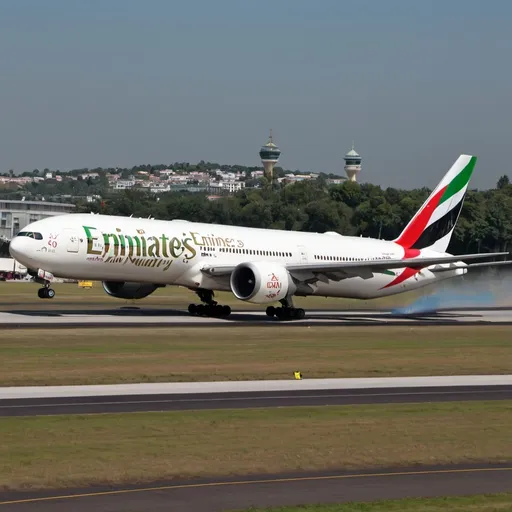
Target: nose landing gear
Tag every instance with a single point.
(44, 278)
(46, 292)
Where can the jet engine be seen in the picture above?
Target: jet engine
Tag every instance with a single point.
(261, 282)
(129, 290)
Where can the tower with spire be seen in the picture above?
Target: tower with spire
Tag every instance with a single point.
(269, 154)
(352, 164)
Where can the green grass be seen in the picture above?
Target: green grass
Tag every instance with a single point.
(78, 450)
(101, 356)
(69, 296)
(475, 503)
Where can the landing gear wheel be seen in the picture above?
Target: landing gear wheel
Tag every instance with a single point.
(213, 310)
(286, 313)
(46, 293)
(300, 314)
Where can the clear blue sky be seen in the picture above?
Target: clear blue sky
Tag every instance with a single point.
(125, 82)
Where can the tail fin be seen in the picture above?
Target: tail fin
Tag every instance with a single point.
(433, 224)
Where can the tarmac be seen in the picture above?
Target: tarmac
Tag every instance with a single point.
(238, 493)
(179, 396)
(177, 402)
(147, 317)
(270, 490)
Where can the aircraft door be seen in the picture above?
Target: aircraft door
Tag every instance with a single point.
(303, 254)
(72, 240)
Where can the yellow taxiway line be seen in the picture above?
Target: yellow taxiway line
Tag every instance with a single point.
(252, 482)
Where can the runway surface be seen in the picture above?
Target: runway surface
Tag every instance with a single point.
(178, 396)
(270, 490)
(147, 317)
(181, 402)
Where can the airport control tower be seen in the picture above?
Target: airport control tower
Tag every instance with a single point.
(352, 164)
(269, 154)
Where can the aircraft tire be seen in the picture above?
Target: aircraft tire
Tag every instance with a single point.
(300, 314)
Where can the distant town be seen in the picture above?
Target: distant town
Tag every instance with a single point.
(157, 180)
(206, 177)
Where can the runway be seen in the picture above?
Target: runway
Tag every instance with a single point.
(270, 490)
(153, 317)
(127, 398)
(156, 403)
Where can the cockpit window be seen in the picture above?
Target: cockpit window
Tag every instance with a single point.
(31, 234)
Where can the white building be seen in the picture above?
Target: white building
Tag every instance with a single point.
(231, 186)
(124, 184)
(336, 181)
(160, 187)
(15, 215)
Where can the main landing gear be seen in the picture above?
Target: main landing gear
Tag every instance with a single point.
(210, 306)
(46, 292)
(287, 312)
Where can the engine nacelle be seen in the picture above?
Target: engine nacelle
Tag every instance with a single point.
(128, 290)
(261, 282)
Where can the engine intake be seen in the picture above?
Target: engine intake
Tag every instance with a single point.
(261, 283)
(129, 290)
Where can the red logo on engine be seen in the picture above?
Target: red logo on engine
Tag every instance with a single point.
(273, 282)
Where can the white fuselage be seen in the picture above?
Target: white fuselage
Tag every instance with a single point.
(110, 248)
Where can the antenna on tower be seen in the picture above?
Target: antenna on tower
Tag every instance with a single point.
(270, 136)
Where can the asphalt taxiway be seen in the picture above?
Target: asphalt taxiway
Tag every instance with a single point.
(270, 490)
(152, 317)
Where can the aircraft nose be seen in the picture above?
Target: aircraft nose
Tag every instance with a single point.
(18, 248)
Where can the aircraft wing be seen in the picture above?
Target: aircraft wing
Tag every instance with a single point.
(472, 265)
(364, 269)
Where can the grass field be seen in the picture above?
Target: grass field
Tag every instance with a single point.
(476, 503)
(99, 356)
(59, 451)
(15, 295)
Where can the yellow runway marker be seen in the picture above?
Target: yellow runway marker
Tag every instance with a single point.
(251, 482)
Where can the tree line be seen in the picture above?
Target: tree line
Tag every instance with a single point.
(485, 222)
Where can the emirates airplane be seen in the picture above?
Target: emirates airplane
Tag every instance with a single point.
(133, 256)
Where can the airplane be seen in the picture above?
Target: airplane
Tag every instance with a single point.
(133, 257)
